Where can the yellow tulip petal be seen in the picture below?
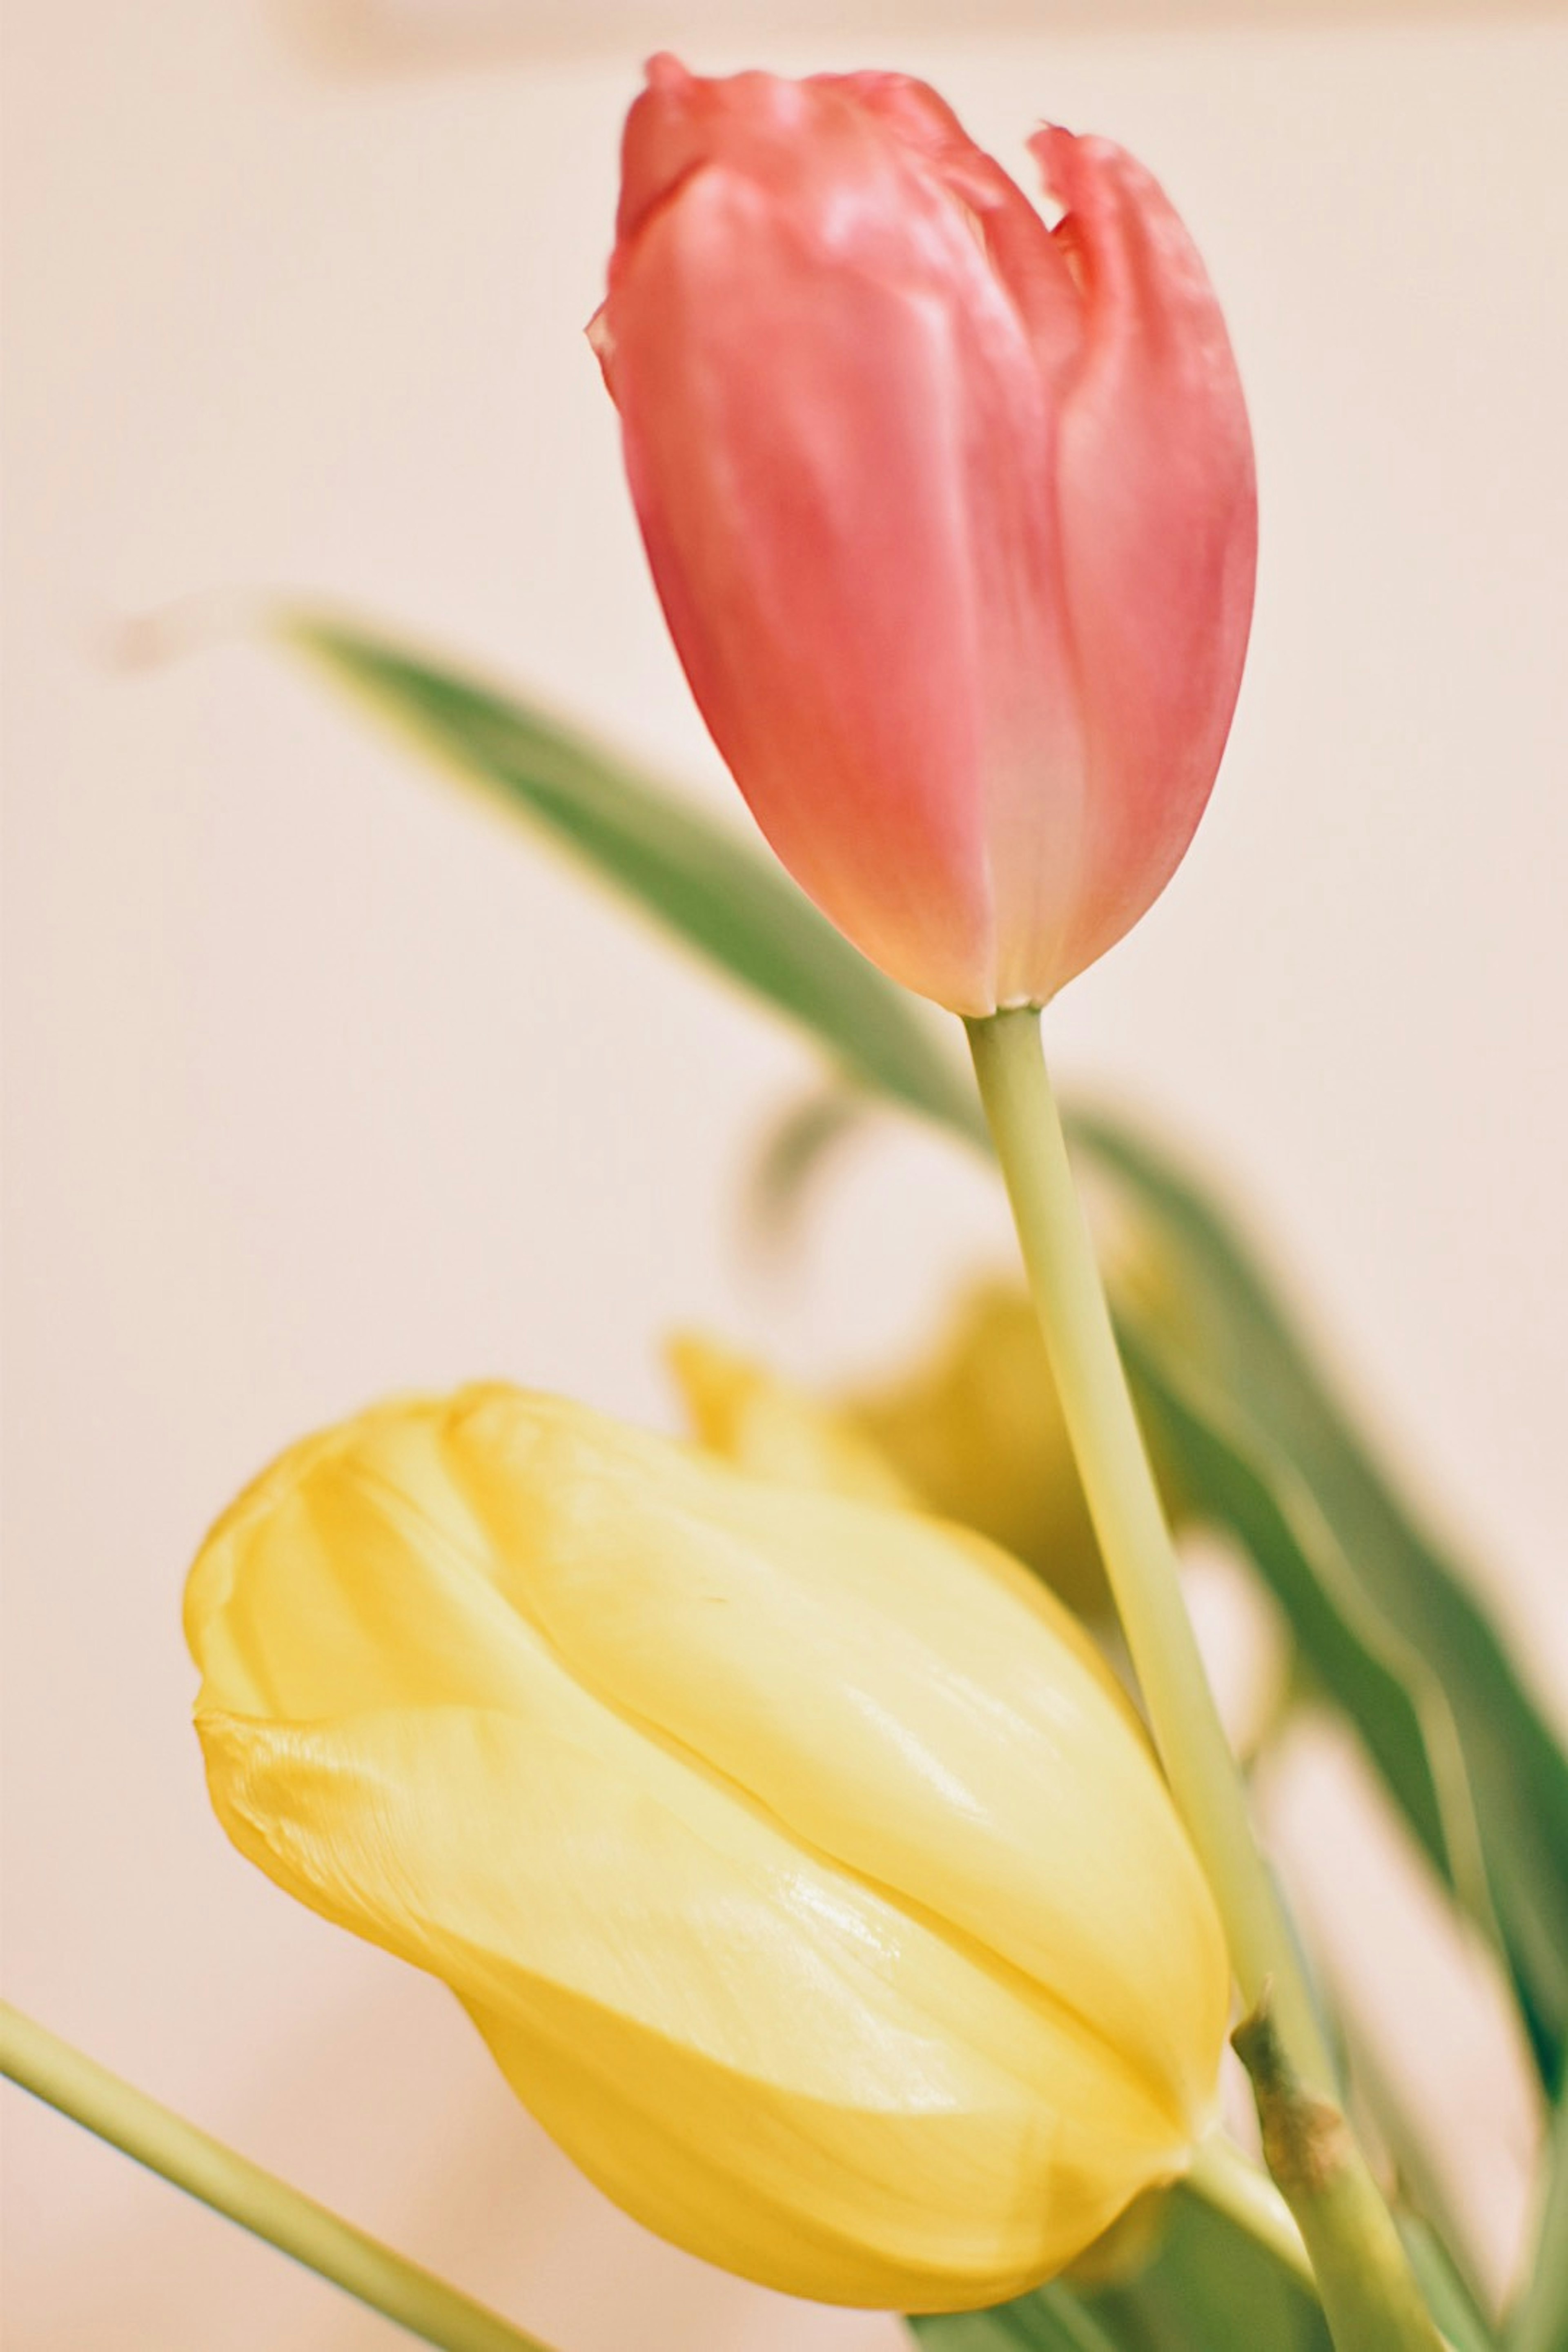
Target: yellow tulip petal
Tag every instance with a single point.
(977, 1431)
(796, 1857)
(770, 1427)
(848, 1667)
(692, 2005)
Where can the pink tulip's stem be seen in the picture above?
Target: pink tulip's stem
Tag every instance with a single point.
(1130, 1521)
(1369, 2297)
(39, 2062)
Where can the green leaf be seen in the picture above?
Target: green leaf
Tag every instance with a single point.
(1052, 2320)
(699, 878)
(1448, 2299)
(1209, 2288)
(1212, 2288)
(792, 1157)
(1234, 1394)
(1440, 2228)
(1539, 2321)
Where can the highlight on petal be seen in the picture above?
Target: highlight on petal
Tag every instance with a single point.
(798, 1860)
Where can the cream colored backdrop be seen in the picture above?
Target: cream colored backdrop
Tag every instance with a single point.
(319, 1082)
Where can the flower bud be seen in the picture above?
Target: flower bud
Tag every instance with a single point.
(772, 1428)
(805, 1871)
(977, 1429)
(953, 515)
(973, 1432)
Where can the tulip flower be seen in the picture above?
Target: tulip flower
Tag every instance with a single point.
(977, 1429)
(804, 1869)
(952, 513)
(973, 1432)
(772, 1428)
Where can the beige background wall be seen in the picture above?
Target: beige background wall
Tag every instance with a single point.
(318, 1083)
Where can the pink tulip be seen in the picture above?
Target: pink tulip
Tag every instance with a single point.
(953, 515)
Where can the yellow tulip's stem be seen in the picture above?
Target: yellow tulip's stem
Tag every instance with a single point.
(1367, 2302)
(53, 2071)
(1222, 2177)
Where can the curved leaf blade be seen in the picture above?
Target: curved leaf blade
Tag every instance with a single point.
(1378, 1606)
(1209, 2288)
(1054, 2320)
(698, 878)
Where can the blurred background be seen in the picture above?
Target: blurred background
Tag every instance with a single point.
(319, 1082)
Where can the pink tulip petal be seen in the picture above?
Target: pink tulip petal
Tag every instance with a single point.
(951, 514)
(1159, 529)
(1020, 248)
(785, 438)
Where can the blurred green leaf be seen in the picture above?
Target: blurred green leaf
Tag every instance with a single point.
(793, 1155)
(1054, 2320)
(1538, 2320)
(1209, 2288)
(1442, 2234)
(1234, 1393)
(1448, 2298)
(1235, 1475)
(701, 880)
(1212, 2288)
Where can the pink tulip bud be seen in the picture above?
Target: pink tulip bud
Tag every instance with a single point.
(953, 515)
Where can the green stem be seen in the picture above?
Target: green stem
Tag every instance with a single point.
(53, 2071)
(1232, 2184)
(1130, 1521)
(1370, 2297)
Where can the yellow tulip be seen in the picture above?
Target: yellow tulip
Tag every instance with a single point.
(978, 1433)
(804, 1869)
(770, 1427)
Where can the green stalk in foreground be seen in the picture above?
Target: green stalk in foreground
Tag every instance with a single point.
(1229, 2182)
(1140, 1565)
(1368, 2289)
(53, 2071)
(1130, 1521)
